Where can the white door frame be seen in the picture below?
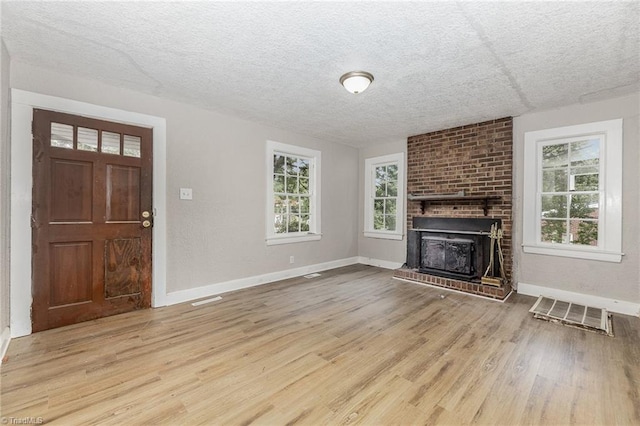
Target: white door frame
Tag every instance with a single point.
(22, 105)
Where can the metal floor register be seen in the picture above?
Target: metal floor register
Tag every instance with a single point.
(572, 314)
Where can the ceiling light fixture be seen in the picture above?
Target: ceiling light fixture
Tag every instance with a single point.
(356, 81)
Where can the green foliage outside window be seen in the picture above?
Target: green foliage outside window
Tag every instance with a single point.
(385, 197)
(570, 193)
(292, 196)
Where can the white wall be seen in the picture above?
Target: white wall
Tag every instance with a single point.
(219, 236)
(392, 253)
(617, 281)
(5, 192)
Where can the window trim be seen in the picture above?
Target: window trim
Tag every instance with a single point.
(369, 168)
(610, 216)
(314, 232)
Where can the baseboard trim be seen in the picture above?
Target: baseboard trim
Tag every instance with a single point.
(612, 305)
(227, 286)
(4, 342)
(379, 263)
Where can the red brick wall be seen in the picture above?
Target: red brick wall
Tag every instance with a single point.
(476, 158)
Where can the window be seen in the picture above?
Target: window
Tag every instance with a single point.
(384, 197)
(293, 194)
(573, 191)
(62, 136)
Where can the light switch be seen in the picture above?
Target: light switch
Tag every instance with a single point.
(186, 194)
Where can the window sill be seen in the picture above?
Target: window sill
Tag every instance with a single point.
(604, 256)
(383, 235)
(290, 239)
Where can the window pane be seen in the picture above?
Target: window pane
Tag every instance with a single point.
(585, 205)
(390, 222)
(291, 167)
(61, 135)
(298, 164)
(131, 146)
(304, 223)
(304, 168)
(110, 143)
(585, 153)
(554, 206)
(278, 164)
(554, 180)
(392, 189)
(553, 231)
(555, 155)
(87, 139)
(381, 173)
(278, 183)
(294, 223)
(381, 189)
(294, 205)
(378, 221)
(390, 207)
(584, 170)
(590, 182)
(378, 206)
(392, 171)
(280, 224)
(304, 185)
(584, 178)
(292, 184)
(584, 232)
(280, 204)
(304, 204)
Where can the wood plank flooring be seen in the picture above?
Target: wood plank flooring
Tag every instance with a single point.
(353, 346)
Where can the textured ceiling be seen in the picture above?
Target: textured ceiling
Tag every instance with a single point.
(436, 65)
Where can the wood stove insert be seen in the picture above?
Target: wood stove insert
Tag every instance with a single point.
(450, 247)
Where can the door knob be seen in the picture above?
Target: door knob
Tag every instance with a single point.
(146, 223)
(146, 214)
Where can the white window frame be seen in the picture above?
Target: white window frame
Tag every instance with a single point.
(370, 165)
(609, 247)
(314, 232)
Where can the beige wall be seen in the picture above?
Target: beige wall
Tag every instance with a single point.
(220, 235)
(619, 281)
(394, 251)
(5, 192)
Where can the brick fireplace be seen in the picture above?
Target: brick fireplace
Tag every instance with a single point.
(455, 176)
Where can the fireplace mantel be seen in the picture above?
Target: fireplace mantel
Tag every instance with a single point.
(452, 231)
(460, 196)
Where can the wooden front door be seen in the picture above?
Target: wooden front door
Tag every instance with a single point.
(92, 217)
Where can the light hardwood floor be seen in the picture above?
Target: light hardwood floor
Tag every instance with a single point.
(353, 346)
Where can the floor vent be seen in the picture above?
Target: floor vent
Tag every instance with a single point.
(204, 302)
(573, 314)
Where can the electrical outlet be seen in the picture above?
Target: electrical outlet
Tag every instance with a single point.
(186, 194)
(291, 259)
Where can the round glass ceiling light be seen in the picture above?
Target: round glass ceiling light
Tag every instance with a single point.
(356, 81)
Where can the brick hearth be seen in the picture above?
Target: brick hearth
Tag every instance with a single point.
(467, 287)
